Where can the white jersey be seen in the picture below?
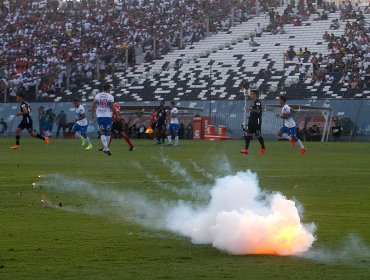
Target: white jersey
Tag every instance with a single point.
(79, 112)
(173, 116)
(289, 122)
(104, 101)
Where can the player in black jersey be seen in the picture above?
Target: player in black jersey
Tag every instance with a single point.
(254, 123)
(26, 123)
(160, 126)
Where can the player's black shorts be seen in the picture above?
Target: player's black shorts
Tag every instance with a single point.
(117, 127)
(254, 128)
(26, 124)
(161, 126)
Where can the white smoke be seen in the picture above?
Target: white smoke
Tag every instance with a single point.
(194, 190)
(352, 251)
(201, 170)
(240, 219)
(101, 200)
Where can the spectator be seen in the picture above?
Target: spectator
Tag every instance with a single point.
(3, 126)
(258, 30)
(300, 54)
(326, 36)
(182, 131)
(281, 29)
(140, 132)
(148, 57)
(189, 131)
(314, 133)
(336, 130)
(50, 118)
(306, 55)
(290, 54)
(302, 71)
(334, 25)
(62, 122)
(41, 113)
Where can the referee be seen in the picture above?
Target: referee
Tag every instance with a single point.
(254, 123)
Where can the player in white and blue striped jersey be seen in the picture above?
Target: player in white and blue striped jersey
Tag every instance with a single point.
(80, 127)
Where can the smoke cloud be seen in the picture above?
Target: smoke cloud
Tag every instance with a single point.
(238, 218)
(241, 219)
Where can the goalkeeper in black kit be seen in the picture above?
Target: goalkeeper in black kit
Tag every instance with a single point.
(254, 123)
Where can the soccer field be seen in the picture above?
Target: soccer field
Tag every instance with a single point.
(92, 236)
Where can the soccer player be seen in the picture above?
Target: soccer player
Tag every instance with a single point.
(254, 123)
(80, 127)
(26, 123)
(160, 126)
(103, 104)
(117, 126)
(173, 128)
(288, 131)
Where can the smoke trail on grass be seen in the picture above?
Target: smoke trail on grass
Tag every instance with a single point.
(352, 251)
(239, 218)
(129, 205)
(222, 165)
(181, 191)
(201, 170)
(193, 188)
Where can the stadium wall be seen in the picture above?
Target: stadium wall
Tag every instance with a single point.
(354, 115)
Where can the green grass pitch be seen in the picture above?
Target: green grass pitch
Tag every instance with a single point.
(331, 181)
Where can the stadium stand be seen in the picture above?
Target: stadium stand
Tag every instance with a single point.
(213, 67)
(343, 72)
(43, 42)
(185, 74)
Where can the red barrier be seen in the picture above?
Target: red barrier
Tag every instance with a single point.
(222, 130)
(210, 130)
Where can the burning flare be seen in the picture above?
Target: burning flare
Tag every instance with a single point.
(240, 219)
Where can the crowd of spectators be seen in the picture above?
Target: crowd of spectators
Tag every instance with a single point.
(292, 14)
(348, 61)
(348, 58)
(44, 40)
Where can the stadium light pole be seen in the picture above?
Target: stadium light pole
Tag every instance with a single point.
(210, 88)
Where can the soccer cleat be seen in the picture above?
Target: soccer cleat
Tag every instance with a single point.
(302, 151)
(132, 148)
(83, 142)
(101, 149)
(89, 147)
(292, 142)
(262, 151)
(107, 152)
(15, 147)
(46, 140)
(245, 151)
